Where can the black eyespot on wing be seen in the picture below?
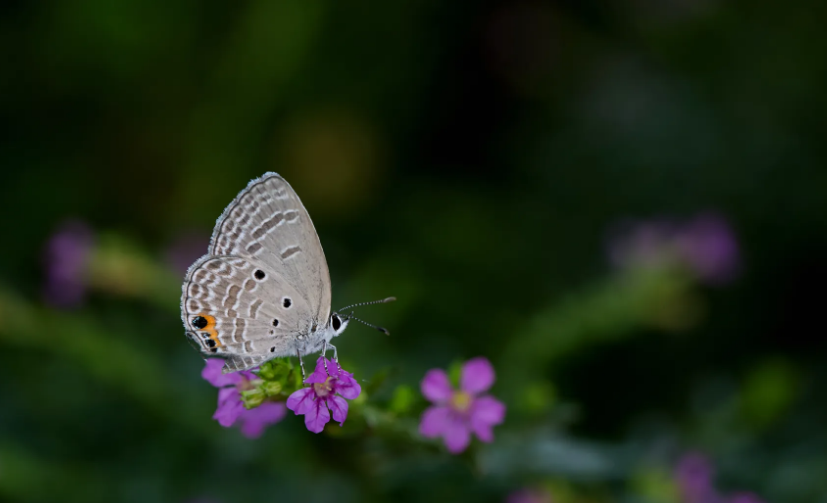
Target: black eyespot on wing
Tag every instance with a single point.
(275, 323)
(259, 274)
(336, 322)
(210, 343)
(199, 322)
(273, 349)
(287, 302)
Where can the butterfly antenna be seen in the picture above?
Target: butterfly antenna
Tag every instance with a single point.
(377, 327)
(389, 299)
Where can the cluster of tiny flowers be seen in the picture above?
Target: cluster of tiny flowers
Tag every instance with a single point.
(326, 392)
(454, 415)
(231, 408)
(457, 413)
(694, 478)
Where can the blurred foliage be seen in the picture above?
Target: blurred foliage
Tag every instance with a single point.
(473, 159)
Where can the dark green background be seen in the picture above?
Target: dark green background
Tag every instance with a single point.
(467, 157)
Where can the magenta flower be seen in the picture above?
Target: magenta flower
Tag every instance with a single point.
(694, 477)
(455, 414)
(315, 400)
(66, 259)
(231, 409)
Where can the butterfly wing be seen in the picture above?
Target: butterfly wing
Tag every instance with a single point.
(264, 281)
(267, 221)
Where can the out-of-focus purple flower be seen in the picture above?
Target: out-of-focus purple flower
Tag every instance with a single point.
(708, 244)
(184, 250)
(529, 496)
(66, 258)
(457, 413)
(314, 401)
(705, 244)
(694, 477)
(231, 409)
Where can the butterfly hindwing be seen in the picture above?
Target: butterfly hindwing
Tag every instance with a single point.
(237, 309)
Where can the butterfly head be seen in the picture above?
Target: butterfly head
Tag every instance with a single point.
(338, 323)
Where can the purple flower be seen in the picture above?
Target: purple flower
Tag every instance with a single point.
(231, 409)
(529, 496)
(705, 244)
(66, 259)
(315, 400)
(455, 414)
(708, 245)
(694, 478)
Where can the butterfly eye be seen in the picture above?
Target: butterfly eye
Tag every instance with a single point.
(336, 322)
(287, 302)
(259, 274)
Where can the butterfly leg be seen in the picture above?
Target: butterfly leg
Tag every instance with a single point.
(324, 356)
(301, 365)
(325, 346)
(335, 356)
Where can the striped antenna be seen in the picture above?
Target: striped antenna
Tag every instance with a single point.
(389, 299)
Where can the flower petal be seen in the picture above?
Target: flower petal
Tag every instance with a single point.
(477, 375)
(486, 411)
(213, 375)
(346, 385)
(229, 408)
(457, 435)
(254, 421)
(338, 406)
(434, 421)
(319, 375)
(301, 400)
(435, 386)
(333, 369)
(317, 416)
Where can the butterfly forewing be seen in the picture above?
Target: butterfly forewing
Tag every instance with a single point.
(264, 282)
(267, 221)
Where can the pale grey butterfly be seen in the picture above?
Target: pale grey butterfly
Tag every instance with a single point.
(263, 289)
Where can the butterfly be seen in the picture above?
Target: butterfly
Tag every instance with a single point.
(263, 289)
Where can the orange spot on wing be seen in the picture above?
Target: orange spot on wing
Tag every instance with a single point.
(210, 328)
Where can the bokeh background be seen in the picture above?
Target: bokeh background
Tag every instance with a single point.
(621, 204)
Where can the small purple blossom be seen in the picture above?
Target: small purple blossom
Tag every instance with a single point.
(706, 245)
(314, 401)
(66, 258)
(231, 409)
(694, 477)
(457, 413)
